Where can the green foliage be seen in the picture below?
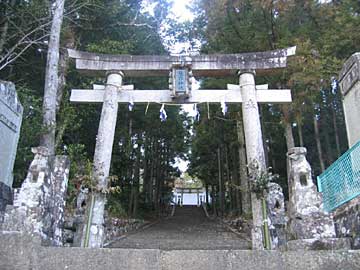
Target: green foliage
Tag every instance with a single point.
(259, 179)
(111, 47)
(30, 132)
(115, 207)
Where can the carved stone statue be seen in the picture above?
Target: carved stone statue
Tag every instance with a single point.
(308, 224)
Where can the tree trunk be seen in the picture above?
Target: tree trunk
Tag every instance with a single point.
(235, 181)
(51, 79)
(298, 118)
(207, 194)
(336, 131)
(244, 183)
(273, 160)
(5, 27)
(301, 139)
(329, 150)
(63, 70)
(318, 143)
(221, 183)
(287, 126)
(136, 183)
(64, 61)
(214, 199)
(158, 173)
(229, 180)
(152, 169)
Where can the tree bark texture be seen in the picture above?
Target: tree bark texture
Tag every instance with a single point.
(51, 79)
(318, 143)
(336, 131)
(289, 136)
(244, 180)
(5, 27)
(221, 183)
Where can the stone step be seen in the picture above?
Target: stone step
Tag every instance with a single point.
(20, 252)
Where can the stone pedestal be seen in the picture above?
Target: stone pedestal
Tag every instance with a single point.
(308, 223)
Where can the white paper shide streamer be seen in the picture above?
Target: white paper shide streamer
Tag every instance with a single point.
(196, 112)
(163, 114)
(223, 107)
(334, 85)
(131, 105)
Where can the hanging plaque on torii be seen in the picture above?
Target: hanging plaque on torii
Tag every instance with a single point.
(180, 70)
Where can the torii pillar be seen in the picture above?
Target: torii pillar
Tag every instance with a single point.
(254, 147)
(94, 229)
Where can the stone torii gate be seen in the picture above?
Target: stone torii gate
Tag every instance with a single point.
(180, 69)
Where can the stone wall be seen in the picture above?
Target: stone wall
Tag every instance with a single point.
(347, 221)
(114, 228)
(20, 252)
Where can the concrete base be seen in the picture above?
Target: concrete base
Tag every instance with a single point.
(319, 244)
(20, 252)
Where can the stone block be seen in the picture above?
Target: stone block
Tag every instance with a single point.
(319, 244)
(315, 225)
(347, 221)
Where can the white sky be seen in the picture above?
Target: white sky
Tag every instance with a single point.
(180, 10)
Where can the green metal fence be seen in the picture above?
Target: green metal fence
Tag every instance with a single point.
(340, 183)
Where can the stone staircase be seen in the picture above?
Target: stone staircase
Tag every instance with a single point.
(188, 229)
(186, 241)
(23, 252)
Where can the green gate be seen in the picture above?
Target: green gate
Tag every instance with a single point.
(340, 183)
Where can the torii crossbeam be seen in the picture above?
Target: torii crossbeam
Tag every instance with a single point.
(180, 70)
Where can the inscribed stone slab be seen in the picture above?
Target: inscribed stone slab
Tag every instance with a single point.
(10, 123)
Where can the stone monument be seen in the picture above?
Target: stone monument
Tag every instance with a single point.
(309, 226)
(10, 123)
(350, 89)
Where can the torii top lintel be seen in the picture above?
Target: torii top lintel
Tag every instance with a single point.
(201, 65)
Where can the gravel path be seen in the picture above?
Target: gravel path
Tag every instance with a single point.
(189, 228)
